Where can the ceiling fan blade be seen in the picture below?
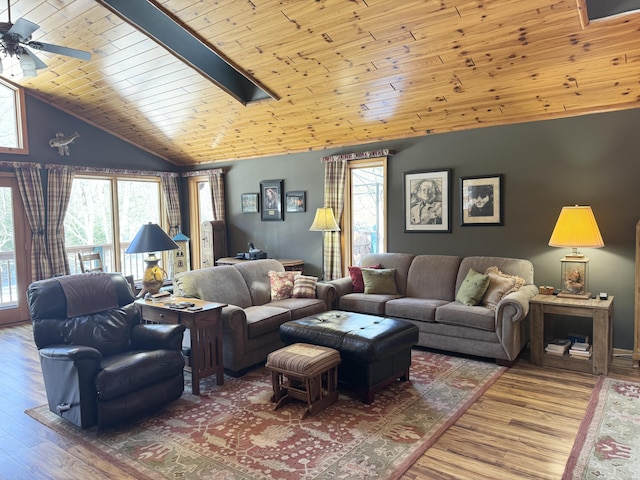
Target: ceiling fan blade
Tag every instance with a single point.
(39, 63)
(23, 28)
(69, 52)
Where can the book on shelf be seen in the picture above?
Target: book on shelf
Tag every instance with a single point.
(580, 352)
(580, 346)
(558, 346)
(578, 338)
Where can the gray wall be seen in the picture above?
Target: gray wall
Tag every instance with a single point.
(589, 160)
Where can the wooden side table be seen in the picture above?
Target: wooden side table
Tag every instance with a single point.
(601, 314)
(289, 264)
(205, 327)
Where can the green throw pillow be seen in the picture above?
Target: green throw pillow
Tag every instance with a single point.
(381, 281)
(472, 288)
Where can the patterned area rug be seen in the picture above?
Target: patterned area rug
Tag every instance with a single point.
(232, 432)
(608, 442)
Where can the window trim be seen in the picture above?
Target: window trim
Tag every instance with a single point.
(21, 120)
(345, 226)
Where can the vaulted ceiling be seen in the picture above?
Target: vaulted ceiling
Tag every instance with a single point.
(344, 72)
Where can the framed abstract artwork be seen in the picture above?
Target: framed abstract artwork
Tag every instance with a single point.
(250, 202)
(427, 201)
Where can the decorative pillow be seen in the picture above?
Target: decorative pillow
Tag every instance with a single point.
(500, 284)
(282, 284)
(381, 281)
(304, 286)
(356, 278)
(472, 288)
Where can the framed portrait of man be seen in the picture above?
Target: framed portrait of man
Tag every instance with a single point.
(481, 200)
(427, 201)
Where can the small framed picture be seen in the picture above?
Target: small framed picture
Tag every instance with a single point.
(481, 200)
(427, 201)
(272, 199)
(250, 202)
(296, 202)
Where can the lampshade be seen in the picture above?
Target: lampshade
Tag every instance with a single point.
(576, 227)
(151, 238)
(324, 221)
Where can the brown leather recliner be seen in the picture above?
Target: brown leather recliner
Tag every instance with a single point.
(100, 364)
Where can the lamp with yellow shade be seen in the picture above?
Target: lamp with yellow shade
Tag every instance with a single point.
(324, 221)
(575, 228)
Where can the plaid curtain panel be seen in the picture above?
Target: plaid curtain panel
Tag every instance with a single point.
(60, 181)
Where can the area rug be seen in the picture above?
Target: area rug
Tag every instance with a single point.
(608, 441)
(232, 432)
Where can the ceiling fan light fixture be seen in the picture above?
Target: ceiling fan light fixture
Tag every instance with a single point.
(28, 65)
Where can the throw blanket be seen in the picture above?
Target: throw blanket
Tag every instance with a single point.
(88, 293)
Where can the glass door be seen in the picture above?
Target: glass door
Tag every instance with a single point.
(15, 259)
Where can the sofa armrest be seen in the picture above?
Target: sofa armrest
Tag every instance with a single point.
(327, 293)
(71, 353)
(515, 306)
(234, 321)
(342, 285)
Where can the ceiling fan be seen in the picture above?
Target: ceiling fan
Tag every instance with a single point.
(15, 38)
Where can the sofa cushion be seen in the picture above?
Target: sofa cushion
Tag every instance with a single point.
(433, 277)
(264, 319)
(304, 286)
(455, 313)
(500, 284)
(381, 281)
(222, 284)
(413, 308)
(472, 288)
(281, 284)
(363, 303)
(301, 307)
(356, 277)
(257, 279)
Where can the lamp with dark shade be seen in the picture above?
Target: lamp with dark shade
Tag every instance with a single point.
(576, 228)
(152, 238)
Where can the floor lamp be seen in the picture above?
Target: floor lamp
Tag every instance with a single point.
(324, 221)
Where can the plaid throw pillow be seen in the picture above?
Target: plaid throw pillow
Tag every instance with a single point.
(304, 286)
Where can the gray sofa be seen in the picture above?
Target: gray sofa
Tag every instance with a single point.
(251, 321)
(426, 296)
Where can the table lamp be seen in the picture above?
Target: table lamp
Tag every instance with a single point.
(324, 221)
(150, 239)
(576, 228)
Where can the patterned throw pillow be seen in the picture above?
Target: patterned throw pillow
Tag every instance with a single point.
(500, 284)
(304, 286)
(282, 284)
(356, 278)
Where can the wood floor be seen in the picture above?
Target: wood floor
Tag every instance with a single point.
(523, 427)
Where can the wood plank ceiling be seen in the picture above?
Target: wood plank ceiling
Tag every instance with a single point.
(346, 72)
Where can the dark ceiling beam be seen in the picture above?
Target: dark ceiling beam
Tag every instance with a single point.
(170, 33)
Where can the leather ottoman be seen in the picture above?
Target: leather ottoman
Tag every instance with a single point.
(375, 351)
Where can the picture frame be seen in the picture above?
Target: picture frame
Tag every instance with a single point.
(427, 201)
(296, 202)
(272, 199)
(250, 202)
(481, 200)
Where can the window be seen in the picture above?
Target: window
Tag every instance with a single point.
(364, 220)
(13, 128)
(104, 215)
(200, 196)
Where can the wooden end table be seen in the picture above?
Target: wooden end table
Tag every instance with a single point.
(289, 264)
(601, 314)
(205, 328)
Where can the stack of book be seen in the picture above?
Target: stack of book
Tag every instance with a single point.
(580, 350)
(558, 346)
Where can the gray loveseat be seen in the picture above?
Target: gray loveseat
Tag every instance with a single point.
(251, 321)
(426, 296)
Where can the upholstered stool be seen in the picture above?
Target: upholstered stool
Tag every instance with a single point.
(304, 372)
